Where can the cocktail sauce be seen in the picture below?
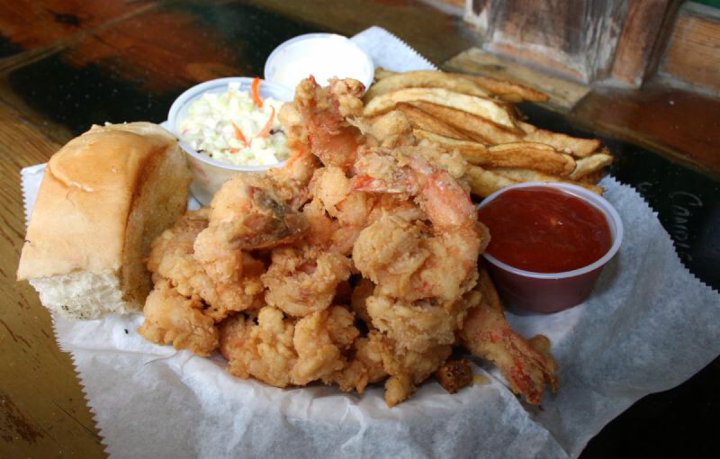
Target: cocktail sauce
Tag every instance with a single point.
(545, 230)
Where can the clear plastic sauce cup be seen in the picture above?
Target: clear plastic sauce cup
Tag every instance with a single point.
(552, 292)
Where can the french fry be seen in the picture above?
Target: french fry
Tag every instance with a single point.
(463, 146)
(527, 175)
(580, 148)
(475, 127)
(507, 90)
(483, 182)
(504, 89)
(454, 111)
(425, 79)
(594, 177)
(537, 156)
(524, 155)
(478, 106)
(590, 164)
(487, 132)
(426, 122)
(381, 73)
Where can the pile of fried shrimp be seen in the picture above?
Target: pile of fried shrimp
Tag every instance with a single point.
(356, 263)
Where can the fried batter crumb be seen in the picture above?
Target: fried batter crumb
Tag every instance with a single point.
(454, 375)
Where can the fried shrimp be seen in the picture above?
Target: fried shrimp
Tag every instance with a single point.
(422, 295)
(336, 215)
(365, 366)
(320, 340)
(527, 365)
(171, 318)
(378, 357)
(302, 280)
(264, 350)
(421, 325)
(331, 187)
(417, 261)
(408, 369)
(172, 257)
(245, 214)
(323, 111)
(284, 351)
(408, 261)
(353, 264)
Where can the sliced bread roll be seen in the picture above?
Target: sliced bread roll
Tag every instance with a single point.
(104, 197)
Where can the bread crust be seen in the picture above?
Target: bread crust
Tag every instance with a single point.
(80, 216)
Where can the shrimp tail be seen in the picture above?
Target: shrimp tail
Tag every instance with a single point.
(526, 364)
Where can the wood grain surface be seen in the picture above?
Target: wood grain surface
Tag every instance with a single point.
(576, 39)
(693, 52)
(683, 125)
(42, 408)
(641, 34)
(437, 35)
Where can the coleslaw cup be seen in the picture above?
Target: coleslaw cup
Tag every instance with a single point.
(209, 175)
(552, 292)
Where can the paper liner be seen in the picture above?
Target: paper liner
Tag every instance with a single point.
(81, 380)
(30, 178)
(390, 52)
(78, 339)
(655, 212)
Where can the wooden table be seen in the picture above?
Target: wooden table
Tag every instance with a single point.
(65, 65)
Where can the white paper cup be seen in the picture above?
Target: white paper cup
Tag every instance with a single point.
(322, 55)
(209, 175)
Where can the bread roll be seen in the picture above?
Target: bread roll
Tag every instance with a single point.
(104, 197)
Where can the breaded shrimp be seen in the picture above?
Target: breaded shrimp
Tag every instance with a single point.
(172, 257)
(365, 366)
(323, 111)
(171, 318)
(245, 214)
(320, 340)
(264, 350)
(377, 357)
(416, 261)
(285, 351)
(527, 365)
(302, 280)
(421, 325)
(409, 261)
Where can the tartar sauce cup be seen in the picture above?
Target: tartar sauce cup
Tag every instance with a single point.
(553, 292)
(322, 55)
(209, 175)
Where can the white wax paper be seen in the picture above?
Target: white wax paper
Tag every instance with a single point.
(648, 326)
(389, 52)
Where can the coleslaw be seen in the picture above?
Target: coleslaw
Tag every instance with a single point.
(236, 127)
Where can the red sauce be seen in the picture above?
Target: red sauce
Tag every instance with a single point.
(545, 230)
